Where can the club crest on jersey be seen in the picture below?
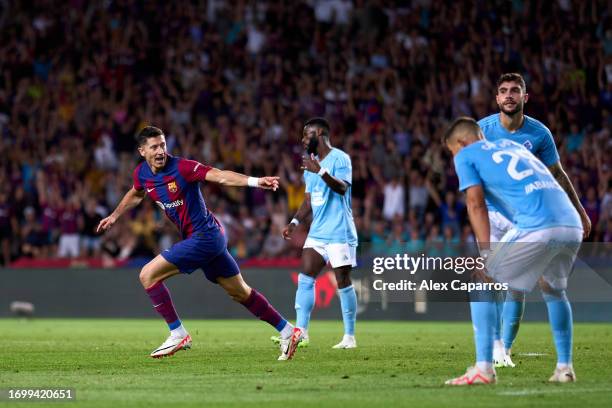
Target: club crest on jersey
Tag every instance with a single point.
(528, 144)
(172, 187)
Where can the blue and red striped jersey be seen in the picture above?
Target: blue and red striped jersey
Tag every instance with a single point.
(176, 190)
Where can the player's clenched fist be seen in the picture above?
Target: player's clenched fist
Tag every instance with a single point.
(268, 183)
(106, 223)
(288, 230)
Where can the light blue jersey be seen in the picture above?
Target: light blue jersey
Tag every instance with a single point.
(534, 135)
(517, 184)
(332, 216)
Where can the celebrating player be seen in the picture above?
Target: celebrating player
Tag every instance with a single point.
(173, 183)
(332, 236)
(542, 243)
(511, 123)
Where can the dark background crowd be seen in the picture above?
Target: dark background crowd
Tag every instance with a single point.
(231, 83)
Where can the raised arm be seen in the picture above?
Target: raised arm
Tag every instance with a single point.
(233, 179)
(130, 200)
(311, 164)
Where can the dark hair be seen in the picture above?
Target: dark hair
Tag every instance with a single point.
(320, 123)
(511, 77)
(463, 123)
(146, 133)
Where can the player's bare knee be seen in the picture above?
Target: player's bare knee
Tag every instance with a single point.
(515, 295)
(343, 278)
(545, 286)
(146, 277)
(309, 269)
(343, 281)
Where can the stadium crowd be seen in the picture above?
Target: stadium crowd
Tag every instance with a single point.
(231, 83)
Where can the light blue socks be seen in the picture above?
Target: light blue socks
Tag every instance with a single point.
(484, 316)
(304, 300)
(514, 306)
(561, 323)
(348, 303)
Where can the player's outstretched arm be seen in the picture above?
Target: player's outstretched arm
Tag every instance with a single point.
(561, 176)
(479, 215)
(233, 179)
(310, 163)
(300, 216)
(130, 200)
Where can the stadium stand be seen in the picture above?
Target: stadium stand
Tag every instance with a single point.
(231, 84)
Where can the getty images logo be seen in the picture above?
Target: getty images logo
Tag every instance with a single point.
(167, 206)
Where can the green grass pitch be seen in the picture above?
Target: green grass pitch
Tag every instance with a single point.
(233, 363)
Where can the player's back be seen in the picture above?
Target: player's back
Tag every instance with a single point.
(517, 184)
(533, 135)
(331, 212)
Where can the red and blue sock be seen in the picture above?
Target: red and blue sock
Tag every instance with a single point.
(260, 307)
(162, 303)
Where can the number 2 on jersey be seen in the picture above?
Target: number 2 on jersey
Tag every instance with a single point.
(531, 161)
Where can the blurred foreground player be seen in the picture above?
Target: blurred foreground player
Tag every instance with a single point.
(173, 183)
(543, 242)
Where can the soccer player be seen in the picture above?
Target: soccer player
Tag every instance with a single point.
(542, 244)
(332, 236)
(173, 183)
(511, 123)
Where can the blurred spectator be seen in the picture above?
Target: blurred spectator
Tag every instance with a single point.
(232, 82)
(8, 224)
(274, 244)
(418, 194)
(32, 235)
(90, 239)
(70, 223)
(394, 200)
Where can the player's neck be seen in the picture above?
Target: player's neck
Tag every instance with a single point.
(323, 151)
(512, 122)
(155, 170)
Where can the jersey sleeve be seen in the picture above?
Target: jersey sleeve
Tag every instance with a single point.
(136, 179)
(547, 151)
(466, 172)
(192, 170)
(343, 169)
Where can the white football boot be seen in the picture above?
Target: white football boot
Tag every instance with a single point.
(474, 376)
(289, 345)
(172, 344)
(348, 342)
(563, 375)
(501, 358)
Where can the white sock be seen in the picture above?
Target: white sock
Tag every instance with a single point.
(485, 366)
(285, 333)
(179, 332)
(348, 337)
(498, 344)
